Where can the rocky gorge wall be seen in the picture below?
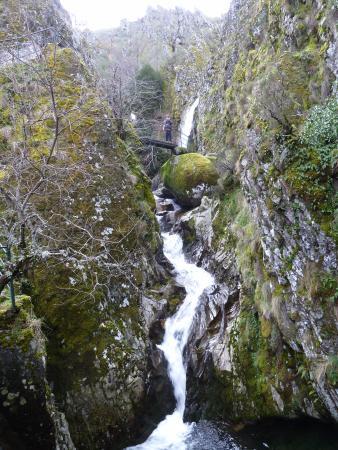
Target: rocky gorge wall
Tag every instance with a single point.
(264, 342)
(95, 272)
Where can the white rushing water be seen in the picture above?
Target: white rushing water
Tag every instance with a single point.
(172, 432)
(187, 122)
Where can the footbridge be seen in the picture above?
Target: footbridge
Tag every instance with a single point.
(157, 143)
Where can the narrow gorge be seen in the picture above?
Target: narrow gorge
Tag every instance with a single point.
(169, 288)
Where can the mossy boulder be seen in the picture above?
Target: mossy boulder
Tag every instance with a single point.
(188, 177)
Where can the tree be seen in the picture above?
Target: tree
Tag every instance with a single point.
(149, 88)
(56, 203)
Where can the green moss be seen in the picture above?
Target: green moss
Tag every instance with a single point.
(318, 285)
(266, 327)
(263, 367)
(17, 328)
(65, 63)
(240, 70)
(78, 334)
(181, 174)
(327, 289)
(309, 176)
(332, 370)
(5, 117)
(261, 364)
(261, 106)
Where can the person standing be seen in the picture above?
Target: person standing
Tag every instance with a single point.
(167, 128)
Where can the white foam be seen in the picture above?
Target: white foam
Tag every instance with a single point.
(187, 123)
(172, 432)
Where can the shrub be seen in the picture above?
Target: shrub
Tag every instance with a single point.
(321, 127)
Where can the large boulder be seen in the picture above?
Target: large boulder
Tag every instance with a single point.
(188, 177)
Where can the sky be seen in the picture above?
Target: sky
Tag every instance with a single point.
(101, 14)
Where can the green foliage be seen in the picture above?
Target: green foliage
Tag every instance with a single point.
(328, 287)
(303, 371)
(308, 175)
(320, 130)
(261, 88)
(148, 73)
(312, 156)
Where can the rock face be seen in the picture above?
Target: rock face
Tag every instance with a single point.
(95, 255)
(47, 22)
(264, 342)
(27, 405)
(189, 177)
(238, 348)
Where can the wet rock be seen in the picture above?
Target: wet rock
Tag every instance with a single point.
(164, 206)
(163, 192)
(29, 417)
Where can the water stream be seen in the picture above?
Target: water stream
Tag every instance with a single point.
(172, 432)
(175, 434)
(187, 122)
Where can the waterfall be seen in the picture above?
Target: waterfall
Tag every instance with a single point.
(172, 432)
(187, 122)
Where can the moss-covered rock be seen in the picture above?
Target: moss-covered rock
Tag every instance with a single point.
(88, 292)
(241, 365)
(268, 110)
(26, 401)
(189, 177)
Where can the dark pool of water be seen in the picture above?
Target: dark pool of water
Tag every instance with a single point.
(276, 434)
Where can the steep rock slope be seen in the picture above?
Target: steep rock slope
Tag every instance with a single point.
(77, 211)
(265, 341)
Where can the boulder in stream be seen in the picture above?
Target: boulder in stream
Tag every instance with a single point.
(188, 177)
